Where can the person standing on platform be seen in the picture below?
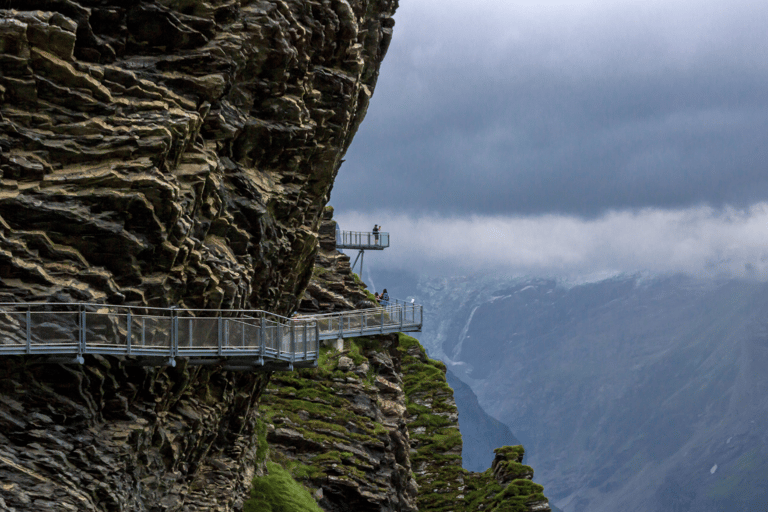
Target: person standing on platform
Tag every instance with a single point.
(384, 298)
(376, 229)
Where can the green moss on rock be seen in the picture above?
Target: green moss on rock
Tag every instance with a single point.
(279, 492)
(433, 425)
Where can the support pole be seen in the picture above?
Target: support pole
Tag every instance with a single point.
(261, 342)
(293, 342)
(220, 333)
(129, 319)
(174, 337)
(29, 331)
(81, 347)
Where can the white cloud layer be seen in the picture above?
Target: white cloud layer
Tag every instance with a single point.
(699, 241)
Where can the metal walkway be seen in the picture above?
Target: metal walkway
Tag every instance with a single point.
(362, 240)
(244, 340)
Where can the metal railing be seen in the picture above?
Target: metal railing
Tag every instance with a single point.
(361, 240)
(397, 316)
(203, 336)
(239, 339)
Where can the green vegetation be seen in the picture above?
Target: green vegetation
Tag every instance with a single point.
(322, 406)
(443, 484)
(316, 404)
(279, 492)
(429, 402)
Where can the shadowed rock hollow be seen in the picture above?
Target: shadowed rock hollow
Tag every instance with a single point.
(176, 151)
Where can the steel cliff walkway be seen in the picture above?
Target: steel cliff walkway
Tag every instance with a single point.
(245, 340)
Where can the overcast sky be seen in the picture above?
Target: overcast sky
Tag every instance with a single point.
(572, 121)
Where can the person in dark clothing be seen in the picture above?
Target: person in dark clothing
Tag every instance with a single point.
(376, 234)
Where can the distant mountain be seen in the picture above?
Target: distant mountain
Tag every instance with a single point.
(480, 432)
(633, 393)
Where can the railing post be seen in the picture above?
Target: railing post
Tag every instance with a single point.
(305, 341)
(218, 322)
(402, 315)
(293, 341)
(261, 342)
(81, 347)
(382, 321)
(174, 333)
(129, 319)
(29, 330)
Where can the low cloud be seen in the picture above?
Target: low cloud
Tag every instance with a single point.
(699, 241)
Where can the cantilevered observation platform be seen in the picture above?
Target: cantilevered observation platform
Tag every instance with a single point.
(246, 340)
(362, 241)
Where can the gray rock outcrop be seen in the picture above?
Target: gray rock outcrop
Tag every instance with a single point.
(176, 152)
(163, 153)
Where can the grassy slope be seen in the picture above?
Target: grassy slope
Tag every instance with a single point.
(443, 484)
(309, 402)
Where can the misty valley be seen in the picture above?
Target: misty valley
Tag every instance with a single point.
(633, 393)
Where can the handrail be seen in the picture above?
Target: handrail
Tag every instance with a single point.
(76, 329)
(239, 339)
(362, 240)
(399, 317)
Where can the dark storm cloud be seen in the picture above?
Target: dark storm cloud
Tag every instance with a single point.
(496, 107)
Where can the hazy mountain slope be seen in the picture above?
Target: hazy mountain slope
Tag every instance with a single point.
(481, 433)
(626, 392)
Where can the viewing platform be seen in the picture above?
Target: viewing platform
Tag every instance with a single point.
(241, 340)
(362, 240)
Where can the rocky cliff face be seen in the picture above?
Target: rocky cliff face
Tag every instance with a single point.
(158, 153)
(103, 437)
(182, 152)
(176, 151)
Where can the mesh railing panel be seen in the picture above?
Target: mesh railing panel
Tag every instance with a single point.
(54, 328)
(90, 328)
(105, 329)
(151, 331)
(13, 328)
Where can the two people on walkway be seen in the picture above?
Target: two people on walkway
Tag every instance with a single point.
(383, 298)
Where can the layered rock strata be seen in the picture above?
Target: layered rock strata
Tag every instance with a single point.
(163, 153)
(178, 151)
(102, 437)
